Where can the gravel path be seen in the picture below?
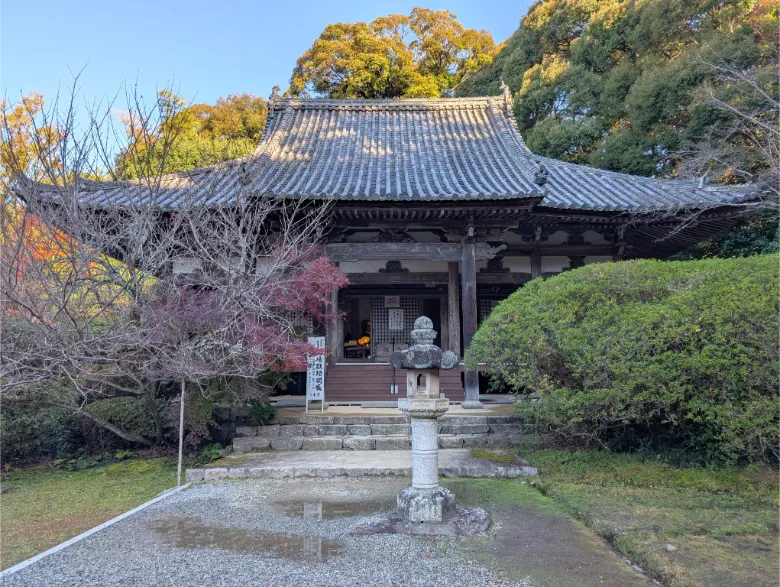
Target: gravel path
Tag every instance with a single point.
(257, 532)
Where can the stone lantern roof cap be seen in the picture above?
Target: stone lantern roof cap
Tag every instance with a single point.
(423, 354)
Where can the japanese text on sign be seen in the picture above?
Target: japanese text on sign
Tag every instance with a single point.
(395, 319)
(315, 374)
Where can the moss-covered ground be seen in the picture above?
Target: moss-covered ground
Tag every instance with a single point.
(721, 523)
(46, 506)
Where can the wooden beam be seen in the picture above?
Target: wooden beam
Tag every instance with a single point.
(555, 250)
(398, 251)
(469, 302)
(434, 278)
(453, 308)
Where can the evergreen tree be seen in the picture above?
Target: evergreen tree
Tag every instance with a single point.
(617, 84)
(423, 55)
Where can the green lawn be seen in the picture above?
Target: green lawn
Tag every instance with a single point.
(722, 523)
(46, 506)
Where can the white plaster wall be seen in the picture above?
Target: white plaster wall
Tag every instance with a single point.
(515, 264)
(557, 238)
(594, 238)
(425, 237)
(554, 264)
(513, 239)
(361, 237)
(518, 264)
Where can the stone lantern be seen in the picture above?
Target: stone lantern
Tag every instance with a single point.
(424, 501)
(425, 507)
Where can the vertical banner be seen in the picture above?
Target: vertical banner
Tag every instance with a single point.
(315, 374)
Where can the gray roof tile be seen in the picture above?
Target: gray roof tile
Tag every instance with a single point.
(420, 150)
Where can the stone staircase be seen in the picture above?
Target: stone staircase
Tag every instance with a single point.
(320, 432)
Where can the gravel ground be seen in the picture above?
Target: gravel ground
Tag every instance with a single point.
(253, 532)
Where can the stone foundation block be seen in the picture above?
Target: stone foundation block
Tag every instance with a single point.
(287, 443)
(388, 420)
(291, 430)
(215, 473)
(463, 420)
(359, 430)
(475, 440)
(250, 444)
(393, 443)
(359, 443)
(332, 430)
(504, 420)
(391, 429)
(268, 431)
(352, 420)
(246, 430)
(450, 442)
(322, 443)
(447, 428)
(506, 428)
(310, 419)
(288, 420)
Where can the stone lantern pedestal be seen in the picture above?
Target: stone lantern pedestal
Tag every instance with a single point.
(425, 507)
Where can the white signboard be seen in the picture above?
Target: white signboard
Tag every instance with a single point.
(315, 374)
(395, 319)
(392, 301)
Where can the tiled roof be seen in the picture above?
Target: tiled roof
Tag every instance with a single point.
(420, 150)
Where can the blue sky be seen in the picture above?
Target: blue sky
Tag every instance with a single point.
(204, 48)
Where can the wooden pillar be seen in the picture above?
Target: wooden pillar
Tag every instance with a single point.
(445, 327)
(453, 309)
(536, 263)
(333, 336)
(469, 299)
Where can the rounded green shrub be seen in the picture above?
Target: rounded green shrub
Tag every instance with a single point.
(656, 355)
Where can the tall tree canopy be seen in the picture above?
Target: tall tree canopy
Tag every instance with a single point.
(186, 136)
(629, 85)
(426, 54)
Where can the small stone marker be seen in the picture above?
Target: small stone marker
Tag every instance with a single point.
(425, 507)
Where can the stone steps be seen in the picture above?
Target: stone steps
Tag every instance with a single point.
(319, 432)
(253, 444)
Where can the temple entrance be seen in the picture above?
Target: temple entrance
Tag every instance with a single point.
(376, 326)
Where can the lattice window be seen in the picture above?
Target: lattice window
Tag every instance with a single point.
(484, 307)
(380, 330)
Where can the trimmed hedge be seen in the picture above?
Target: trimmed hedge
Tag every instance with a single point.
(657, 355)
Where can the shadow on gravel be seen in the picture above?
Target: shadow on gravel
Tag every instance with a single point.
(183, 532)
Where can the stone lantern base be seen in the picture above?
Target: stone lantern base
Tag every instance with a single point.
(426, 505)
(460, 522)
